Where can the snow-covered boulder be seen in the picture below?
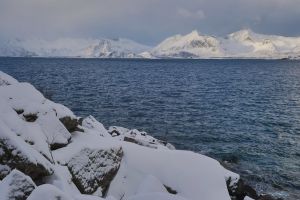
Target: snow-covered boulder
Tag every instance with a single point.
(57, 135)
(31, 116)
(72, 124)
(191, 175)
(23, 96)
(93, 125)
(94, 169)
(16, 153)
(240, 190)
(138, 137)
(16, 186)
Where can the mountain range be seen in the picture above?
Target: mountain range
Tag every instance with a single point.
(241, 44)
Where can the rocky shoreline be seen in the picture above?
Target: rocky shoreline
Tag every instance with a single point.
(47, 152)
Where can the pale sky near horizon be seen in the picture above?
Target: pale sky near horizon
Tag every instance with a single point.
(146, 21)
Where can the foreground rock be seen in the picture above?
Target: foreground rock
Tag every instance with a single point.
(17, 154)
(78, 159)
(94, 169)
(241, 191)
(16, 186)
(138, 137)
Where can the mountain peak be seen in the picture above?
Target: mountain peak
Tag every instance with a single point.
(241, 35)
(193, 34)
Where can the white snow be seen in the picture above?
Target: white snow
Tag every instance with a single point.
(199, 176)
(248, 198)
(156, 196)
(61, 178)
(6, 79)
(21, 148)
(15, 185)
(48, 192)
(93, 125)
(46, 130)
(191, 45)
(151, 184)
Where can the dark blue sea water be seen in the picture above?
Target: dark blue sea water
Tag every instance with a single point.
(244, 111)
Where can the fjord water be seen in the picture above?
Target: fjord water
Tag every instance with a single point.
(243, 112)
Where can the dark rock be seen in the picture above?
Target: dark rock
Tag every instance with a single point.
(231, 159)
(31, 117)
(12, 157)
(55, 146)
(129, 139)
(17, 186)
(92, 169)
(239, 190)
(267, 197)
(19, 111)
(114, 133)
(170, 190)
(80, 120)
(4, 171)
(71, 124)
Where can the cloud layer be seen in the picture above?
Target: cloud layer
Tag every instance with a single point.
(147, 21)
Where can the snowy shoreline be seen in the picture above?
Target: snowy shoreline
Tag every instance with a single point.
(46, 152)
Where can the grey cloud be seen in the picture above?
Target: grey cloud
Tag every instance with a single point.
(147, 21)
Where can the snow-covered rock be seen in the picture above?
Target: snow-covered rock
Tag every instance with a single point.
(138, 137)
(16, 186)
(94, 169)
(118, 163)
(28, 114)
(199, 175)
(16, 153)
(93, 125)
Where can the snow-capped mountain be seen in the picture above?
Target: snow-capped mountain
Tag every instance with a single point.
(116, 48)
(13, 48)
(69, 47)
(241, 44)
(192, 45)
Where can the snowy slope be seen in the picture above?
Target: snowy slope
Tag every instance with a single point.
(93, 162)
(241, 44)
(192, 45)
(116, 48)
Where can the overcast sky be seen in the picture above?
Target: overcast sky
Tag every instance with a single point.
(146, 21)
